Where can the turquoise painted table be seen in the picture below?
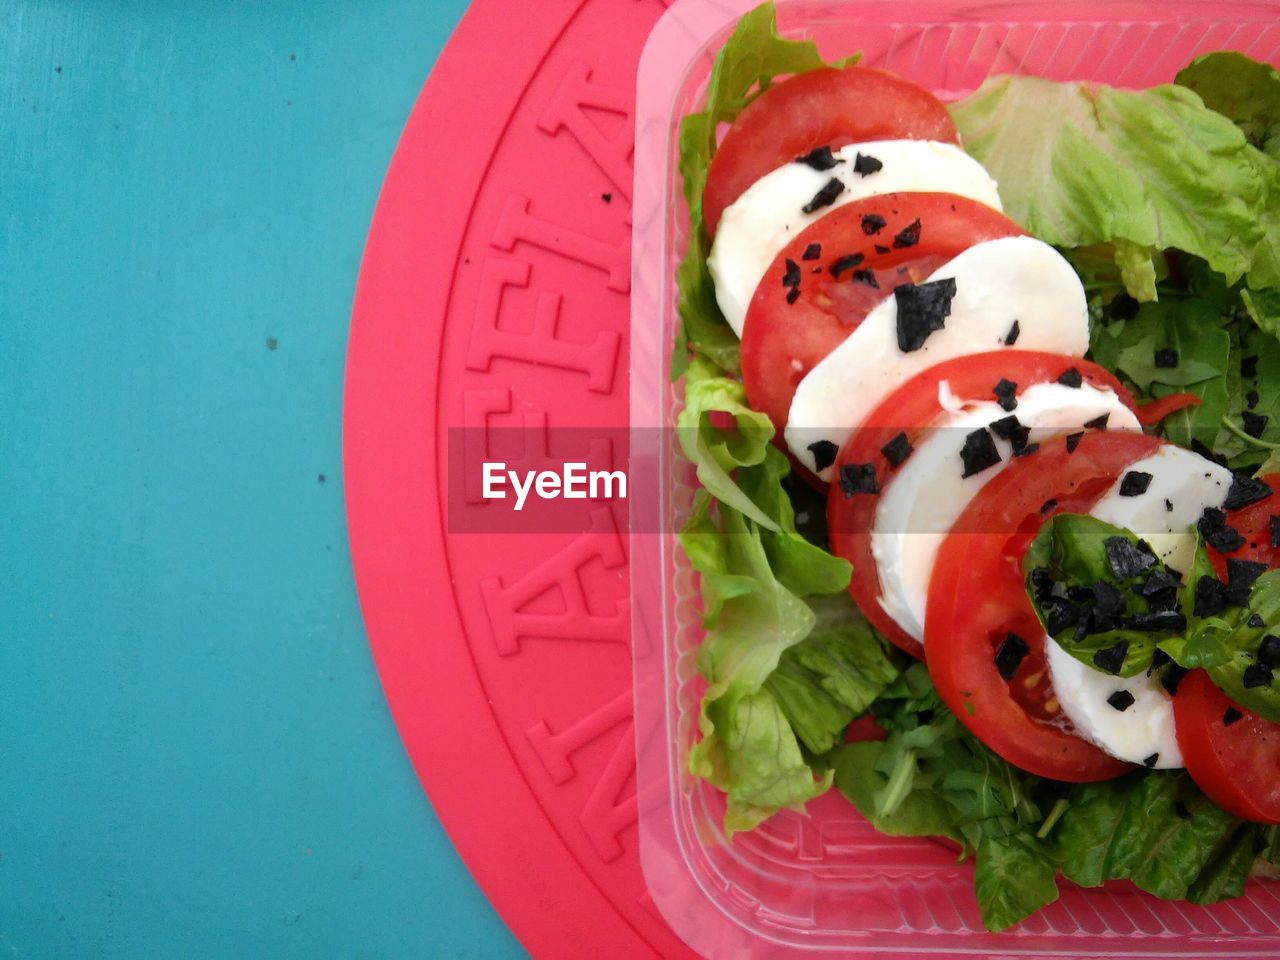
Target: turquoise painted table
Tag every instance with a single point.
(195, 756)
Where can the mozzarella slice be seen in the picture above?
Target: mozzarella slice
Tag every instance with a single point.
(756, 226)
(1143, 728)
(1182, 485)
(997, 282)
(928, 493)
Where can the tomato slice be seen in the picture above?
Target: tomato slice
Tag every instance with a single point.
(977, 598)
(912, 408)
(1254, 524)
(1237, 765)
(1154, 411)
(831, 107)
(782, 341)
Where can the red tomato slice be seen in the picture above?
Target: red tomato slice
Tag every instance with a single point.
(977, 598)
(1154, 411)
(816, 109)
(912, 408)
(781, 341)
(1237, 765)
(1254, 523)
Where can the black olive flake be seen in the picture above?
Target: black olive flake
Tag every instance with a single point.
(978, 453)
(1081, 593)
(1098, 423)
(1211, 519)
(1244, 491)
(1111, 659)
(858, 478)
(865, 276)
(922, 309)
(873, 223)
(1256, 675)
(1197, 446)
(826, 196)
(1216, 533)
(882, 249)
(1010, 654)
(1158, 660)
(1168, 505)
(1231, 716)
(1249, 366)
(1071, 378)
(1159, 580)
(1251, 399)
(812, 252)
(1134, 483)
(820, 159)
(1123, 307)
(1172, 677)
(1059, 616)
(1254, 423)
(1241, 575)
(1085, 626)
(1109, 599)
(1121, 700)
(793, 295)
(1256, 621)
(1042, 583)
(791, 276)
(908, 236)
(1211, 597)
(865, 166)
(1006, 394)
(824, 454)
(1025, 449)
(1157, 621)
(1126, 558)
(1151, 761)
(1166, 358)
(1073, 441)
(1269, 650)
(1274, 528)
(1006, 427)
(847, 262)
(1011, 337)
(897, 450)
(1048, 505)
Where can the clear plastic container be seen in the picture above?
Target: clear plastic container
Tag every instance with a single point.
(826, 881)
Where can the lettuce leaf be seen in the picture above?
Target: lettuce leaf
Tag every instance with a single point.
(1241, 89)
(1147, 171)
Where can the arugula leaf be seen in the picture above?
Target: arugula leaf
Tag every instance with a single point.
(1148, 171)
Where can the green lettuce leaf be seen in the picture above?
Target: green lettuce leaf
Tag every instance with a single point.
(1241, 89)
(1149, 171)
(1013, 877)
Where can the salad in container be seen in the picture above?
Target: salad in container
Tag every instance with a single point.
(972, 634)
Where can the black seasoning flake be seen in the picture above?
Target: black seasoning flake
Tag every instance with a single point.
(882, 249)
(1048, 505)
(1010, 655)
(897, 450)
(1011, 337)
(1241, 575)
(825, 197)
(1071, 378)
(1256, 675)
(1151, 761)
(1098, 423)
(820, 159)
(1231, 716)
(812, 252)
(908, 236)
(1126, 558)
(1197, 446)
(824, 454)
(791, 276)
(858, 478)
(1254, 423)
(1006, 394)
(865, 166)
(978, 453)
(847, 262)
(1134, 483)
(873, 223)
(1006, 427)
(1121, 700)
(1256, 621)
(1211, 597)
(793, 295)
(1073, 441)
(865, 276)
(1168, 505)
(922, 309)
(1111, 659)
(1249, 366)
(1269, 650)
(1244, 491)
(1166, 358)
(1251, 399)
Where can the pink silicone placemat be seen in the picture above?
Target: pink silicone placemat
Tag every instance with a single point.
(493, 294)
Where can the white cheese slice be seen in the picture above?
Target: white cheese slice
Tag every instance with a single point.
(997, 282)
(755, 227)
